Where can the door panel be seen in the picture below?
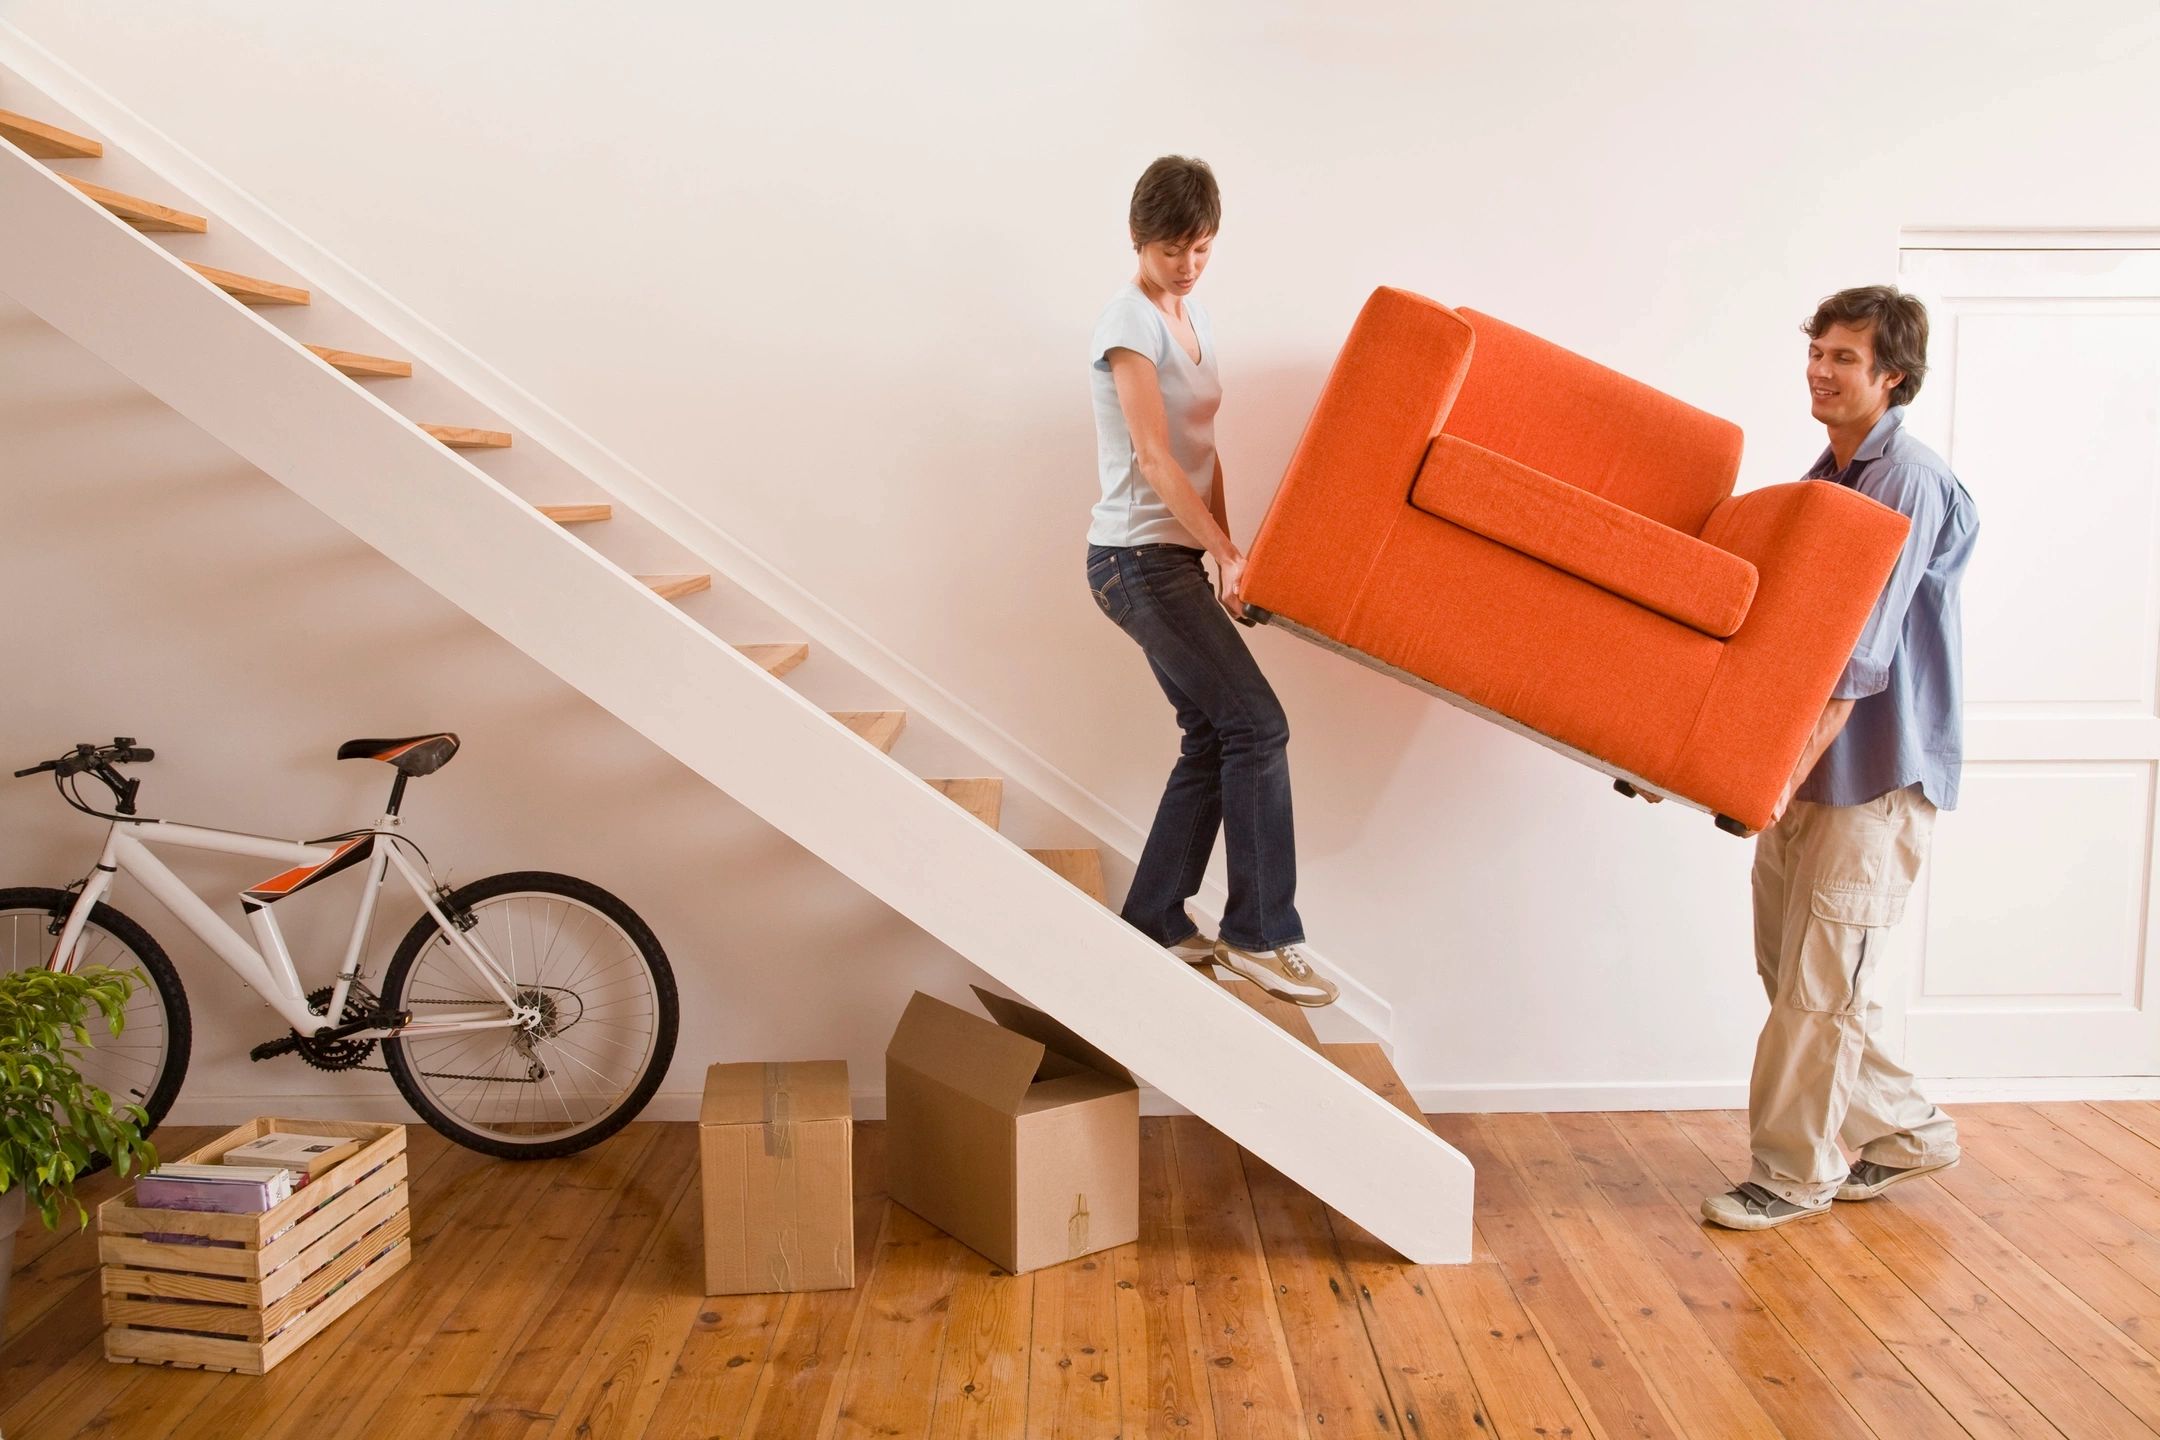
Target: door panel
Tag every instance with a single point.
(2037, 921)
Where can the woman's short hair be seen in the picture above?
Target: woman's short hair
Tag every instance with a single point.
(1176, 200)
(1900, 323)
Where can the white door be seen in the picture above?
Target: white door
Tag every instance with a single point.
(2037, 921)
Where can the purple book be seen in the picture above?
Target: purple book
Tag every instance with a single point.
(225, 1197)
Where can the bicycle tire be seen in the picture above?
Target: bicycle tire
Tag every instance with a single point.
(665, 1021)
(157, 1096)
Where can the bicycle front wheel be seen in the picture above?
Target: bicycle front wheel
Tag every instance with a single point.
(604, 1032)
(145, 1063)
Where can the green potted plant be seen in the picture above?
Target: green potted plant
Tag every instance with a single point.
(55, 1126)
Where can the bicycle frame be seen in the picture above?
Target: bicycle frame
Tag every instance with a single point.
(266, 966)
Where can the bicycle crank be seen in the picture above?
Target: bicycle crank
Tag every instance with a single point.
(331, 1048)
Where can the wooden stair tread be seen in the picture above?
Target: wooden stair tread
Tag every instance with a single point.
(674, 587)
(1281, 1013)
(363, 367)
(469, 437)
(880, 727)
(777, 659)
(1081, 868)
(140, 213)
(1369, 1065)
(248, 289)
(984, 799)
(577, 514)
(41, 141)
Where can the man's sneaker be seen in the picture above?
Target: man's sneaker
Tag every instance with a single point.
(1286, 973)
(1867, 1179)
(1750, 1207)
(1199, 951)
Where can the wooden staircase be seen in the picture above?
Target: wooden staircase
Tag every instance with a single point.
(980, 797)
(1247, 1115)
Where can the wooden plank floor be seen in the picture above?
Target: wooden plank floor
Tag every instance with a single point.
(2018, 1294)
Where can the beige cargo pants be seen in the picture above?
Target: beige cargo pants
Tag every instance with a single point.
(1830, 882)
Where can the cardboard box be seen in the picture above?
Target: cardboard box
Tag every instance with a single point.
(1017, 1137)
(776, 1148)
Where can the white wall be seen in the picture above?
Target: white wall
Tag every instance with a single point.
(828, 274)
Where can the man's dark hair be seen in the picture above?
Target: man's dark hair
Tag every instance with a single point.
(1175, 201)
(1900, 327)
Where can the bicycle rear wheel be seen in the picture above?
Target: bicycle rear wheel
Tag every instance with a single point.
(607, 1017)
(145, 1063)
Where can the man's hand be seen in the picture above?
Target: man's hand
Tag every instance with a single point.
(1827, 729)
(1784, 802)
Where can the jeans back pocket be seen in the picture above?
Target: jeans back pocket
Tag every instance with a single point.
(1107, 585)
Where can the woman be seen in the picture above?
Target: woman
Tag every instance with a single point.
(1156, 393)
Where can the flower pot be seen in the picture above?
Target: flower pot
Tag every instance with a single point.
(11, 1216)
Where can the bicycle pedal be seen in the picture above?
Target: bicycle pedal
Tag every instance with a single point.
(271, 1049)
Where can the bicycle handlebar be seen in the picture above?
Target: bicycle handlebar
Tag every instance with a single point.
(98, 760)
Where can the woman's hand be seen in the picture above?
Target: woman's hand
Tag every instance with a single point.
(1229, 581)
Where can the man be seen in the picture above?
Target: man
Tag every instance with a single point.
(1833, 870)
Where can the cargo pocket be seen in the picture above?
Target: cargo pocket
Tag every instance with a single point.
(1845, 934)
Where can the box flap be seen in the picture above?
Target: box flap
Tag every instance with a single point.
(1045, 1031)
(780, 1093)
(965, 1051)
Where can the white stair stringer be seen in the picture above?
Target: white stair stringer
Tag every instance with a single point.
(593, 625)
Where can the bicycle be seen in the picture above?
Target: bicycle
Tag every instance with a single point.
(562, 979)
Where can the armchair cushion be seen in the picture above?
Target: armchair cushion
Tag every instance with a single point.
(1608, 545)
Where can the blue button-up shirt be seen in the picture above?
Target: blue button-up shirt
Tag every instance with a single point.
(1907, 673)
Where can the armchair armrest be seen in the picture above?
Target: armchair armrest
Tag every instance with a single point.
(1823, 553)
(1350, 476)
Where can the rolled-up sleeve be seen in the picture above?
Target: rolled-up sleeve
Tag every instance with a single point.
(1923, 497)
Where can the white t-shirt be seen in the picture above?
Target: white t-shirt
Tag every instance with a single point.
(1130, 512)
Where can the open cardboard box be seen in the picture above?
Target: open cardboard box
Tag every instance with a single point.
(1011, 1134)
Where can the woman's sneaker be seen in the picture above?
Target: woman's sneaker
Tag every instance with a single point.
(1198, 952)
(1286, 973)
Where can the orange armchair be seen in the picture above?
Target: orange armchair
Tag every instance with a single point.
(1557, 547)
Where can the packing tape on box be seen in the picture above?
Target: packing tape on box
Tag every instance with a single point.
(1076, 1229)
(779, 1114)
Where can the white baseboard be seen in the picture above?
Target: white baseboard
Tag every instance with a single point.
(428, 346)
(1733, 1094)
(2043, 1088)
(1432, 1099)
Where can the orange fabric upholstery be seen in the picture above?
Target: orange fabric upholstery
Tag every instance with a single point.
(1595, 428)
(1612, 547)
(1559, 545)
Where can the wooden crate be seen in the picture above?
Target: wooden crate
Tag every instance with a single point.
(272, 1280)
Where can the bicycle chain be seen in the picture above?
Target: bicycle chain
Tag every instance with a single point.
(449, 1075)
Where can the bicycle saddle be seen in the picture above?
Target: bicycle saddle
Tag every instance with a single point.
(413, 755)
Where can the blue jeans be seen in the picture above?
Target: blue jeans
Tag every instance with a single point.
(1233, 768)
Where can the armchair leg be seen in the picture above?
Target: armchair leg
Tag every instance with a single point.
(1733, 827)
(1626, 789)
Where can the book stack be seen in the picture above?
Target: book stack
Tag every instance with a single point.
(224, 1189)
